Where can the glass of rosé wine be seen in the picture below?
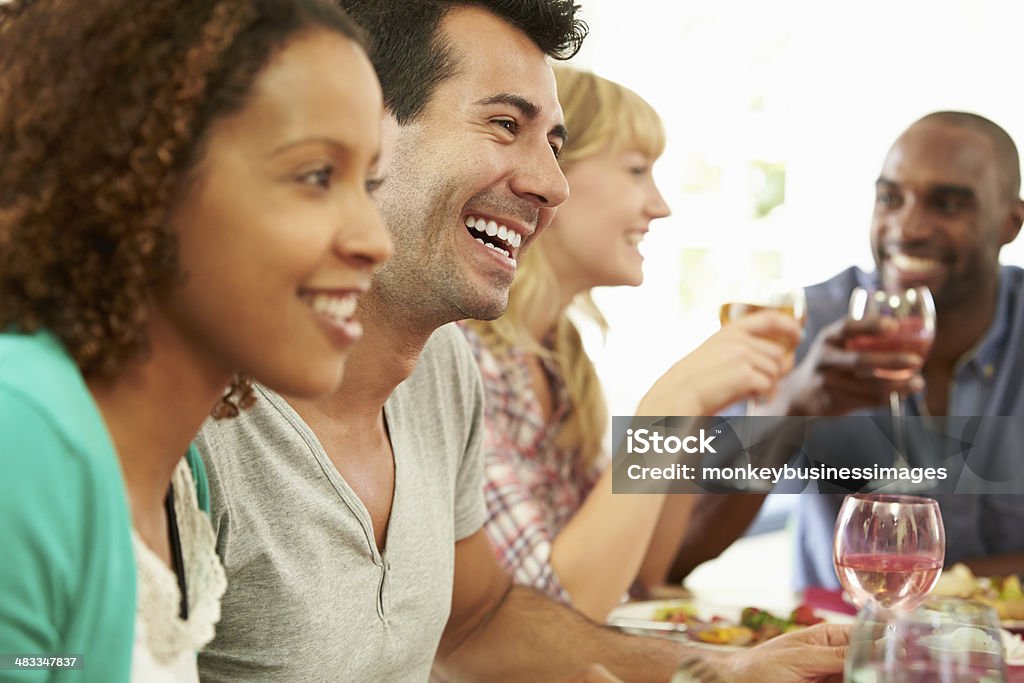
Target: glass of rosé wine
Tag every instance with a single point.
(888, 549)
(914, 311)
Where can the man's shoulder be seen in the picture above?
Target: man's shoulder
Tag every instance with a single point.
(828, 301)
(448, 342)
(1013, 278)
(839, 286)
(446, 359)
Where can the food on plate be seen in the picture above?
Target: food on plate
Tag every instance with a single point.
(676, 614)
(1001, 592)
(726, 635)
(755, 625)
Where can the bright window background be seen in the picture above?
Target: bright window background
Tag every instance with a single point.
(778, 116)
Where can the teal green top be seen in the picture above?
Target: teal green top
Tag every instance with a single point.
(195, 463)
(67, 572)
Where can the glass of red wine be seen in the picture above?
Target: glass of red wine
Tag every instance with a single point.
(888, 549)
(946, 640)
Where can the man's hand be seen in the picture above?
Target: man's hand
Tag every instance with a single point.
(516, 634)
(833, 380)
(811, 654)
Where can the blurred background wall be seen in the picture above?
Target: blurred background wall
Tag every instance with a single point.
(778, 117)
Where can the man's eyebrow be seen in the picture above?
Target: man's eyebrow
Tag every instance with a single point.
(961, 191)
(958, 190)
(527, 108)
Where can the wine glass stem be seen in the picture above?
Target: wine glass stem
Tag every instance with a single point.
(896, 408)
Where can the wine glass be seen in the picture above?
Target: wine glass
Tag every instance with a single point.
(949, 640)
(771, 294)
(888, 549)
(914, 311)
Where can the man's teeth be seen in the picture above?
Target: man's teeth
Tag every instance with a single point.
(912, 264)
(634, 238)
(337, 308)
(497, 249)
(493, 229)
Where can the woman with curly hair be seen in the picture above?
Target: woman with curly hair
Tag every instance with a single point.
(552, 517)
(184, 200)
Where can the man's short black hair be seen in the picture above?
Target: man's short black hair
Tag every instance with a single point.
(1006, 150)
(412, 58)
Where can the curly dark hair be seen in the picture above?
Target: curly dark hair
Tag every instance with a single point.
(104, 107)
(412, 60)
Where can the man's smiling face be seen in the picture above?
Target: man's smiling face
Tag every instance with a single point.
(474, 178)
(941, 213)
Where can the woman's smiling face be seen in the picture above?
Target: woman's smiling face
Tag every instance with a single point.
(277, 232)
(593, 239)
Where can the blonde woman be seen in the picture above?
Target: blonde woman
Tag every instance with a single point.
(552, 517)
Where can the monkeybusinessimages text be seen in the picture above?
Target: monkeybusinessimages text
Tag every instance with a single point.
(650, 442)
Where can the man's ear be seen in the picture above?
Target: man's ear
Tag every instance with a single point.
(1014, 219)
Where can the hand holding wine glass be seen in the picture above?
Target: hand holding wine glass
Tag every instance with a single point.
(889, 549)
(742, 359)
(770, 294)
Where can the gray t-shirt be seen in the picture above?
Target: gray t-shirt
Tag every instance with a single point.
(309, 597)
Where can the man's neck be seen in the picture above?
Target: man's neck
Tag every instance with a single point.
(960, 328)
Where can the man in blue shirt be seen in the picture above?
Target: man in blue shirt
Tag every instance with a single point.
(947, 200)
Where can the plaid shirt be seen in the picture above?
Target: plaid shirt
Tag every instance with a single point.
(532, 487)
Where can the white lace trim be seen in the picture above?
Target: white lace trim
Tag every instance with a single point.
(159, 599)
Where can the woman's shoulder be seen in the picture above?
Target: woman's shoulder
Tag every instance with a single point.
(32, 363)
(61, 473)
(45, 399)
(59, 463)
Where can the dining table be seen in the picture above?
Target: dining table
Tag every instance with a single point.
(828, 603)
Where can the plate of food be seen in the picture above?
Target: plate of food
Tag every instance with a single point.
(718, 626)
(1003, 593)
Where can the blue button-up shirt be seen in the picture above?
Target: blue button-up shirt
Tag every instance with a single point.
(988, 380)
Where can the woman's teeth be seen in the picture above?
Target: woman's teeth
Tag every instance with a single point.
(339, 308)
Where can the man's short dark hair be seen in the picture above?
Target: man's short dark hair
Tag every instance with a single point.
(412, 58)
(1006, 150)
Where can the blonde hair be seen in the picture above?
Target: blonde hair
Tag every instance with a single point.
(601, 116)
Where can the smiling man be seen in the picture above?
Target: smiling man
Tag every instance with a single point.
(350, 527)
(947, 200)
